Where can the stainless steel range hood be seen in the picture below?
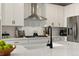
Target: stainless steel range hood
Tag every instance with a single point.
(34, 14)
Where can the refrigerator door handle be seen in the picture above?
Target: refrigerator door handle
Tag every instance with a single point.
(75, 31)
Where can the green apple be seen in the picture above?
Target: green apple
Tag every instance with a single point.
(5, 47)
(1, 48)
(9, 45)
(2, 43)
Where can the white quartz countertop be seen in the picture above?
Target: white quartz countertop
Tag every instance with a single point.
(66, 49)
(61, 48)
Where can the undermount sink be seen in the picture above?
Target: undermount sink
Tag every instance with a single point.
(36, 46)
(34, 43)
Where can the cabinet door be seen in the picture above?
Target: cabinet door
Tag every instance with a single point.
(27, 10)
(18, 14)
(60, 16)
(54, 14)
(41, 9)
(13, 14)
(51, 14)
(69, 10)
(76, 7)
(7, 14)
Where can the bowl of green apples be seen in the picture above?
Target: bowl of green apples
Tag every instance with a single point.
(5, 48)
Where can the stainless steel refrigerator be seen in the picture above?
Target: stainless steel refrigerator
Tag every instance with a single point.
(73, 29)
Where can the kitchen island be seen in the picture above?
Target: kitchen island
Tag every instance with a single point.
(61, 48)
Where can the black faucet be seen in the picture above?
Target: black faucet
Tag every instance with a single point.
(50, 44)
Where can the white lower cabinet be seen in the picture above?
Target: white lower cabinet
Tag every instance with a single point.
(12, 14)
(71, 10)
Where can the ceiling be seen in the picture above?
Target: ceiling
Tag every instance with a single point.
(62, 4)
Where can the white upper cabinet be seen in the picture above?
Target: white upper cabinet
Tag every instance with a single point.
(27, 10)
(76, 7)
(60, 16)
(7, 14)
(71, 10)
(12, 14)
(19, 14)
(55, 15)
(41, 9)
(51, 14)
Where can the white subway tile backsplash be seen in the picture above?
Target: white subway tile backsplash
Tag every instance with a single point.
(30, 30)
(55, 31)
